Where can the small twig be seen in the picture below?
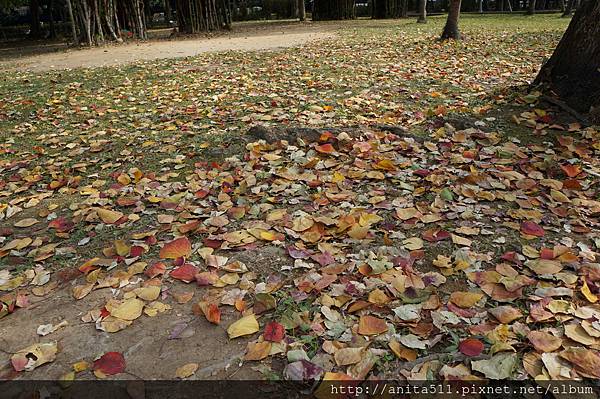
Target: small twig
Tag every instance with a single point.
(565, 108)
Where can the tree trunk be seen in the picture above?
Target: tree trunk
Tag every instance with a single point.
(510, 9)
(72, 21)
(568, 9)
(301, 10)
(86, 17)
(573, 71)
(98, 21)
(451, 28)
(51, 15)
(168, 13)
(481, 6)
(329, 10)
(35, 27)
(531, 8)
(422, 12)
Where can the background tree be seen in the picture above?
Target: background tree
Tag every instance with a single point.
(568, 8)
(203, 15)
(422, 12)
(573, 71)
(324, 10)
(388, 8)
(451, 28)
(531, 7)
(34, 10)
(301, 10)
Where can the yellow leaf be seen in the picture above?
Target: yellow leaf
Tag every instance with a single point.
(130, 309)
(108, 216)
(465, 299)
(112, 324)
(186, 370)
(413, 243)
(258, 350)
(80, 366)
(148, 293)
(585, 290)
(358, 232)
(245, 326)
(26, 222)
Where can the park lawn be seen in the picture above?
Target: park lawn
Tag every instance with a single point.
(350, 242)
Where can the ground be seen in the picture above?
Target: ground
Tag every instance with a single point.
(246, 37)
(438, 218)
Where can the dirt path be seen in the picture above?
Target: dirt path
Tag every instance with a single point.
(274, 37)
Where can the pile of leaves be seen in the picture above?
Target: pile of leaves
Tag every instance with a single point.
(375, 229)
(462, 253)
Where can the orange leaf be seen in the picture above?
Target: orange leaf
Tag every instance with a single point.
(325, 148)
(176, 249)
(211, 311)
(370, 325)
(155, 270)
(571, 170)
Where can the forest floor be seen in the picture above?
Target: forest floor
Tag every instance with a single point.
(439, 221)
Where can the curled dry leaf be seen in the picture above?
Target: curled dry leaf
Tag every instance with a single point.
(34, 356)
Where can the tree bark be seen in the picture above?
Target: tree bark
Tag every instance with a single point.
(301, 10)
(422, 12)
(72, 21)
(168, 13)
(573, 71)
(51, 15)
(531, 8)
(35, 27)
(451, 28)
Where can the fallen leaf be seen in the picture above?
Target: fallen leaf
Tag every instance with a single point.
(245, 326)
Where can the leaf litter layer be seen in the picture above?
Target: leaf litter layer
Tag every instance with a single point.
(437, 247)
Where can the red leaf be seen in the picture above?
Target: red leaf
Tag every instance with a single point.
(110, 363)
(215, 244)
(471, 347)
(433, 235)
(546, 253)
(178, 248)
(274, 332)
(532, 229)
(61, 225)
(136, 251)
(186, 273)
